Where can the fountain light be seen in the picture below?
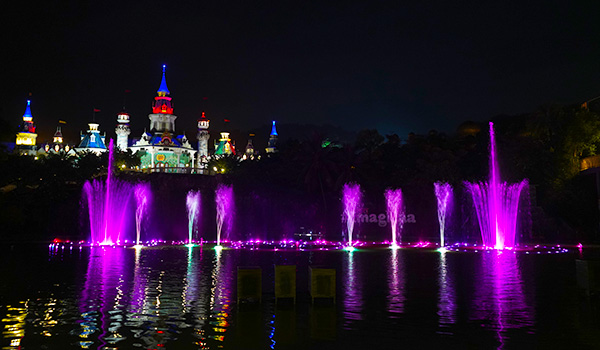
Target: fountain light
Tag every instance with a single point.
(349, 248)
(218, 248)
(395, 211)
(351, 197)
(496, 204)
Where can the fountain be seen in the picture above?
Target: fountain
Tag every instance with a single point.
(107, 203)
(351, 196)
(496, 204)
(224, 203)
(443, 194)
(142, 198)
(396, 215)
(193, 208)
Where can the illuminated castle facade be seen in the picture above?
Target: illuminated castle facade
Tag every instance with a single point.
(161, 147)
(92, 140)
(26, 137)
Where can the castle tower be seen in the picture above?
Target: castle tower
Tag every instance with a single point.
(58, 136)
(249, 152)
(163, 150)
(272, 145)
(25, 143)
(122, 130)
(162, 120)
(225, 145)
(203, 136)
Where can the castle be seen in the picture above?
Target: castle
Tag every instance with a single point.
(160, 148)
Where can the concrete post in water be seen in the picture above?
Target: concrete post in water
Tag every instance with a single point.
(285, 282)
(322, 283)
(249, 283)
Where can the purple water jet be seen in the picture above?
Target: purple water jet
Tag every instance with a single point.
(443, 194)
(395, 212)
(142, 199)
(193, 208)
(107, 206)
(351, 196)
(496, 204)
(224, 203)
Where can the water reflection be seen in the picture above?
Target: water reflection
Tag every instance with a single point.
(396, 283)
(499, 296)
(220, 300)
(352, 293)
(14, 324)
(447, 296)
(101, 304)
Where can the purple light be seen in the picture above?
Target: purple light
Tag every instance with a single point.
(224, 202)
(496, 204)
(107, 206)
(193, 208)
(142, 198)
(443, 194)
(395, 211)
(352, 197)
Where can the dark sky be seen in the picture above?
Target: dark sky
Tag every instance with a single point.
(396, 66)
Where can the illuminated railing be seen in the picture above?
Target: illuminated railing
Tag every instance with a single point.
(177, 170)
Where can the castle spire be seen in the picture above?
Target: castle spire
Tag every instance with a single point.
(163, 90)
(272, 143)
(27, 117)
(273, 129)
(162, 104)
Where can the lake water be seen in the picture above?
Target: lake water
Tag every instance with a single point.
(182, 298)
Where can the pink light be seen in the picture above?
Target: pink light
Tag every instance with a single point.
(496, 204)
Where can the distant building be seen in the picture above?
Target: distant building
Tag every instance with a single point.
(272, 144)
(122, 130)
(58, 145)
(224, 146)
(161, 149)
(92, 141)
(203, 137)
(249, 152)
(26, 137)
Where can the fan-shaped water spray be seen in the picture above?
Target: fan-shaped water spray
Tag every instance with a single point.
(107, 203)
(496, 204)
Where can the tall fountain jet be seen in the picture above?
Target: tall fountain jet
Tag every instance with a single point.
(107, 205)
(193, 208)
(224, 203)
(396, 215)
(351, 196)
(496, 204)
(443, 194)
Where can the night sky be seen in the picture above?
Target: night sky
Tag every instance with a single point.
(395, 66)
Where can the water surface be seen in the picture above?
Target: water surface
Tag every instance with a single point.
(185, 298)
